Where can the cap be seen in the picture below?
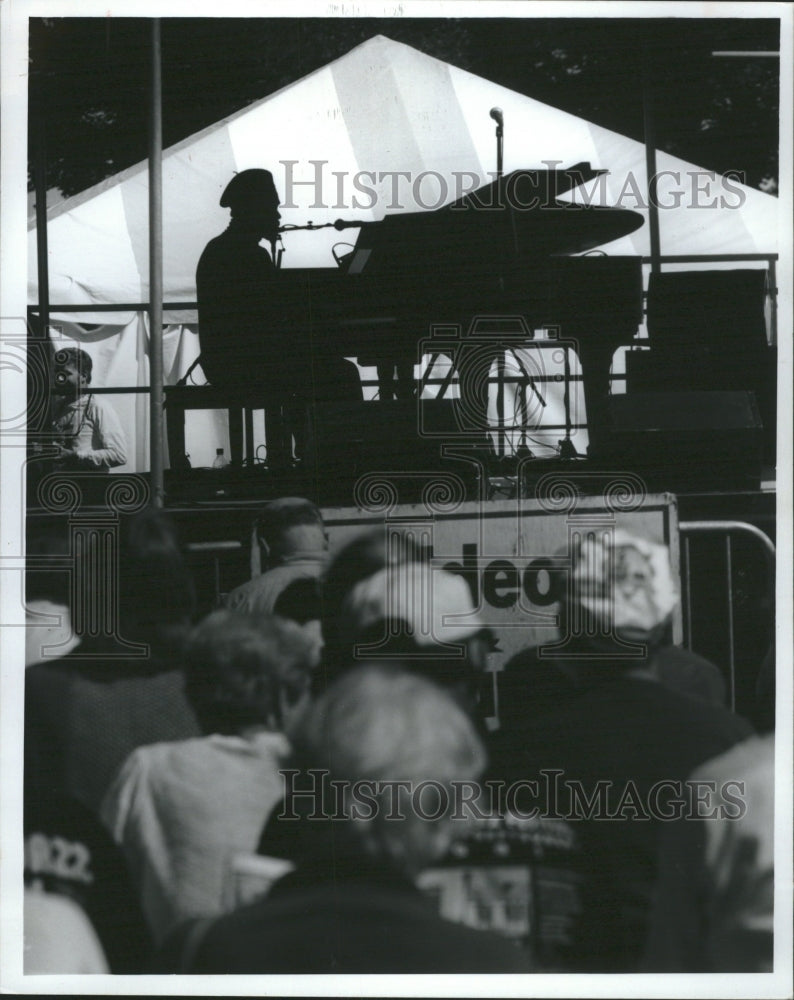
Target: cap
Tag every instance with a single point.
(435, 605)
(248, 186)
(625, 580)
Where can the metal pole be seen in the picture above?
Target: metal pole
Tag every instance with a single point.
(41, 230)
(688, 586)
(649, 131)
(156, 269)
(731, 640)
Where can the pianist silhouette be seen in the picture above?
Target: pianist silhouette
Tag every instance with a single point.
(250, 342)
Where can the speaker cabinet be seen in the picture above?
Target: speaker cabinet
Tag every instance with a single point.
(686, 441)
(707, 330)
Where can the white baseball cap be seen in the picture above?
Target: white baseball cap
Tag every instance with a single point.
(435, 605)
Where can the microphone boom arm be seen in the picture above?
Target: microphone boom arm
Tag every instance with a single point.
(339, 225)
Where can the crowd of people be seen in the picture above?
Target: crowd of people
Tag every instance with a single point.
(332, 723)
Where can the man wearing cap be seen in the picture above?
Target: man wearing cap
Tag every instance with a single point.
(246, 342)
(424, 616)
(608, 743)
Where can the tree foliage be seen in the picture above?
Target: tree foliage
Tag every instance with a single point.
(89, 79)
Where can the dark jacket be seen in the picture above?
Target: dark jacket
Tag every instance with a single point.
(630, 733)
(356, 923)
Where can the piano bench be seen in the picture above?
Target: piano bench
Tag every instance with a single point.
(240, 406)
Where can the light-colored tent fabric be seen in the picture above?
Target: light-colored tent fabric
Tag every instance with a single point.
(386, 119)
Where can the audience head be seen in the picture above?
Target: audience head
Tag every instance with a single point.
(157, 593)
(423, 617)
(288, 527)
(621, 590)
(49, 629)
(301, 602)
(381, 725)
(360, 558)
(246, 673)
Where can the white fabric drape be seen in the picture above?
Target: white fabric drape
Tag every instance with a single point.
(121, 350)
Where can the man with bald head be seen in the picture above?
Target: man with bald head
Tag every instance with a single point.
(292, 544)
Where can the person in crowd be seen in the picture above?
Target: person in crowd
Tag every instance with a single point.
(250, 336)
(584, 593)
(88, 434)
(351, 905)
(49, 630)
(405, 616)
(86, 712)
(301, 602)
(592, 711)
(58, 937)
(88, 709)
(180, 810)
(291, 543)
(425, 617)
(361, 557)
(714, 905)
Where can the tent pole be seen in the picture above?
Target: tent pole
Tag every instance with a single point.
(649, 131)
(156, 270)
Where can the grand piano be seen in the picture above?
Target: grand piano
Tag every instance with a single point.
(505, 250)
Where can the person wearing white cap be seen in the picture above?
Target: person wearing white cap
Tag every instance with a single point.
(423, 616)
(598, 716)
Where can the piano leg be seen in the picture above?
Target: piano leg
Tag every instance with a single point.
(236, 435)
(175, 435)
(406, 383)
(385, 381)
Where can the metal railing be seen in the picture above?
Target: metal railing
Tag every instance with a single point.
(213, 556)
(726, 529)
(503, 424)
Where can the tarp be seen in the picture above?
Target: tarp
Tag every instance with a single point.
(384, 128)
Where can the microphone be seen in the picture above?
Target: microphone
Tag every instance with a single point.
(498, 116)
(341, 224)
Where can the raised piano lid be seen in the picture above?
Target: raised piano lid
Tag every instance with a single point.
(515, 217)
(521, 187)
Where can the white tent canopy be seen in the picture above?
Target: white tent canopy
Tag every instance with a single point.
(386, 119)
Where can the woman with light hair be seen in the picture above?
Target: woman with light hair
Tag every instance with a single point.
(377, 758)
(380, 725)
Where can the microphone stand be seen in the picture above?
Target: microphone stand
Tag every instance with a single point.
(500, 138)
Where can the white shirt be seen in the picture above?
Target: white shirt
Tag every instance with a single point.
(92, 429)
(180, 811)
